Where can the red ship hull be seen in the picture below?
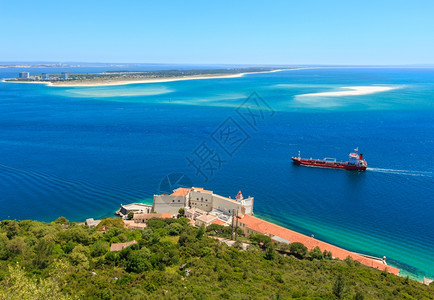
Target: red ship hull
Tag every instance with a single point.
(327, 164)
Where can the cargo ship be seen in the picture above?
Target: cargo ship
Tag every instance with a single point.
(355, 162)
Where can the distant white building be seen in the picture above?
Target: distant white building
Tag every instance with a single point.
(136, 208)
(24, 75)
(45, 76)
(204, 200)
(65, 75)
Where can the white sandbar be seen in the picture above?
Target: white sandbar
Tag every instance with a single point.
(351, 91)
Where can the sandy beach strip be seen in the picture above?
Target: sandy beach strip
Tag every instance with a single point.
(260, 226)
(5, 80)
(352, 91)
(90, 83)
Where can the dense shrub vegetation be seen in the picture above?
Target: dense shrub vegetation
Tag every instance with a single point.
(174, 260)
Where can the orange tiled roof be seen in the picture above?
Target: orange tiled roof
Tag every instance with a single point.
(268, 228)
(152, 215)
(136, 225)
(194, 210)
(181, 192)
(197, 189)
(184, 191)
(219, 222)
(120, 246)
(206, 218)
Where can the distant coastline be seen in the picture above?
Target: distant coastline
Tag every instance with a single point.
(100, 80)
(115, 78)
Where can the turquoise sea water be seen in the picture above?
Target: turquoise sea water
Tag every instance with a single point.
(81, 152)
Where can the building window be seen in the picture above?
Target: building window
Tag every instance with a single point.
(197, 199)
(173, 200)
(179, 200)
(201, 199)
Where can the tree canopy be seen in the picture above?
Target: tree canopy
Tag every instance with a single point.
(173, 259)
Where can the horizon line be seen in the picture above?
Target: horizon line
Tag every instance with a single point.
(220, 64)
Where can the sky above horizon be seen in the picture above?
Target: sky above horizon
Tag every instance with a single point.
(219, 32)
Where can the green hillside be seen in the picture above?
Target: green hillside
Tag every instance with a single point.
(173, 260)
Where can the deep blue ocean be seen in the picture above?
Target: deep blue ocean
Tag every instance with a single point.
(80, 152)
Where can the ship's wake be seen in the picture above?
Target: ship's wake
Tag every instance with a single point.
(402, 172)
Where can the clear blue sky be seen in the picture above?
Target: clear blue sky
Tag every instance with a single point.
(251, 32)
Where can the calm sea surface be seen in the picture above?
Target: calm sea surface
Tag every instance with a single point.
(81, 152)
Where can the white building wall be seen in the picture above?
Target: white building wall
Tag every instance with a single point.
(247, 206)
(226, 205)
(201, 200)
(168, 204)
